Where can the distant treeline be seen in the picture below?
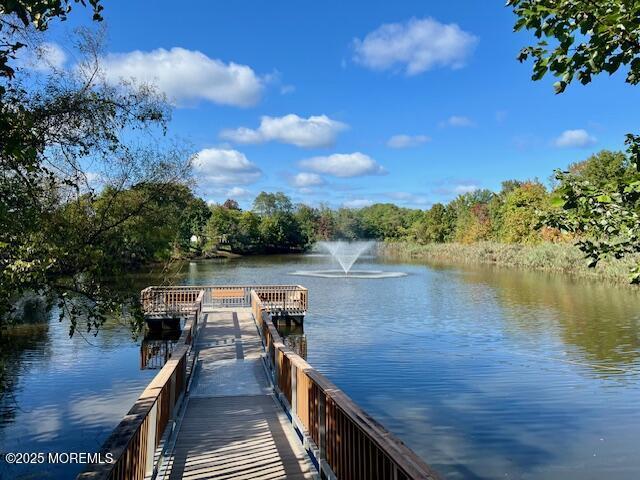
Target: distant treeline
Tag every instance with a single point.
(176, 223)
(516, 214)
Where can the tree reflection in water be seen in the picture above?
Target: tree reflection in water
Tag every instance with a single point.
(28, 334)
(601, 321)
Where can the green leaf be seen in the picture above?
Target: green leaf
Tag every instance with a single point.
(560, 86)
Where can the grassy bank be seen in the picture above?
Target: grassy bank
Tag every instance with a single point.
(551, 257)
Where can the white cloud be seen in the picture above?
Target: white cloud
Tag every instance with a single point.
(53, 54)
(458, 121)
(92, 181)
(399, 195)
(187, 76)
(579, 138)
(407, 198)
(462, 189)
(238, 192)
(45, 57)
(344, 165)
(306, 179)
(416, 45)
(224, 167)
(315, 131)
(406, 141)
(357, 203)
(455, 186)
(93, 177)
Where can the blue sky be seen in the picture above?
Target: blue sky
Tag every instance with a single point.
(410, 102)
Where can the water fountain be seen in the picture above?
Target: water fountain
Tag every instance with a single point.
(346, 254)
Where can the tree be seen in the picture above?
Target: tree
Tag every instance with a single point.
(587, 37)
(326, 225)
(520, 213)
(138, 239)
(602, 168)
(307, 218)
(58, 217)
(231, 204)
(192, 218)
(386, 220)
(348, 224)
(509, 185)
(19, 15)
(435, 226)
(249, 231)
(605, 218)
(578, 39)
(271, 203)
(471, 213)
(281, 232)
(278, 229)
(223, 228)
(473, 224)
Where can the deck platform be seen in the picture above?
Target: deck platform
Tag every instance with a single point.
(233, 427)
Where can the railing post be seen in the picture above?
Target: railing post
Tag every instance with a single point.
(294, 390)
(151, 439)
(274, 367)
(322, 434)
(172, 393)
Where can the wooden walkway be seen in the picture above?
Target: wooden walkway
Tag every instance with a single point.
(222, 416)
(233, 427)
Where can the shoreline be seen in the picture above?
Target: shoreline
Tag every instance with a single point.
(543, 257)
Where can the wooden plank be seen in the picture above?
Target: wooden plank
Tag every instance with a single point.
(228, 292)
(242, 437)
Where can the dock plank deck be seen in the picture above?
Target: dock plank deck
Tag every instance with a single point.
(233, 428)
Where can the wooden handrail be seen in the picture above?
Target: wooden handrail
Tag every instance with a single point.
(134, 441)
(345, 439)
(173, 301)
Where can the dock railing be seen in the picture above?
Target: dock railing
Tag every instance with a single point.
(345, 441)
(135, 442)
(173, 301)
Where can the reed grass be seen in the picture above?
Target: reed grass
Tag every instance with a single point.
(552, 257)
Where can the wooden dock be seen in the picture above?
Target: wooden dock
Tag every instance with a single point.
(234, 427)
(233, 402)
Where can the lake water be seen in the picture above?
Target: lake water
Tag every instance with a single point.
(486, 373)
